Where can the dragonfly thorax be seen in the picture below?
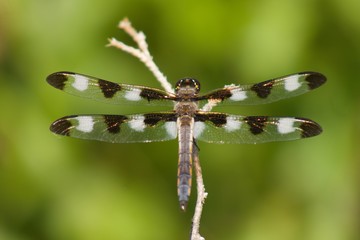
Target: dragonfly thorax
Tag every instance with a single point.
(187, 87)
(187, 108)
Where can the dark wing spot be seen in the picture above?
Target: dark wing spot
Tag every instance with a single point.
(150, 94)
(220, 94)
(309, 128)
(108, 88)
(151, 119)
(113, 122)
(62, 126)
(218, 119)
(315, 80)
(263, 89)
(58, 79)
(256, 124)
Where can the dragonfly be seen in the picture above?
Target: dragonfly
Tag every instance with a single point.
(186, 121)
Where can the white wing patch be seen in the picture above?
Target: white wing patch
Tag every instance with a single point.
(232, 124)
(137, 123)
(171, 129)
(237, 94)
(198, 128)
(286, 125)
(86, 124)
(292, 83)
(133, 95)
(81, 83)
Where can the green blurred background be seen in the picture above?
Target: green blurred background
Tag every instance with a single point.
(62, 188)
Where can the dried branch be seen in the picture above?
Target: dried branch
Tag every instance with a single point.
(210, 104)
(143, 54)
(201, 195)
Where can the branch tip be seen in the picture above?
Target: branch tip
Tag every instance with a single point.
(124, 23)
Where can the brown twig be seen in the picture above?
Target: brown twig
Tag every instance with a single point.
(201, 195)
(142, 52)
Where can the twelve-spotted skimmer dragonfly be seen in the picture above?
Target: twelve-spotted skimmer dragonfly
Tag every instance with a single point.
(186, 121)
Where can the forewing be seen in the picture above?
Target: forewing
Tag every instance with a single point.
(150, 127)
(223, 128)
(267, 91)
(109, 92)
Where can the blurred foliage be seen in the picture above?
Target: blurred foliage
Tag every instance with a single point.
(63, 188)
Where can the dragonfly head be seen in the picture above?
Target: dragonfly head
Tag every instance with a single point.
(187, 86)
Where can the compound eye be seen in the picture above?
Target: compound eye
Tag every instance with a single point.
(196, 85)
